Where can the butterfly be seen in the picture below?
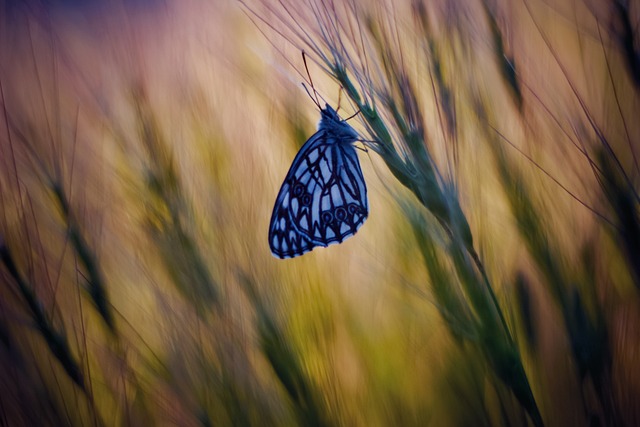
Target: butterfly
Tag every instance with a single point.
(323, 199)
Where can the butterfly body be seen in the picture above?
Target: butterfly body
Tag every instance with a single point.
(323, 199)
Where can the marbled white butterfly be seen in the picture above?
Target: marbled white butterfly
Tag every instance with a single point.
(323, 199)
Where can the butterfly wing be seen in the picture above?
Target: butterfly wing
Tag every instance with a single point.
(323, 199)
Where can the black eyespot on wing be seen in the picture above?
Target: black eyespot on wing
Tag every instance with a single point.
(327, 217)
(298, 190)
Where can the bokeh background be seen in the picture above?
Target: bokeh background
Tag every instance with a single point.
(496, 281)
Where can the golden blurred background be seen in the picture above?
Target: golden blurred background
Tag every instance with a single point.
(496, 281)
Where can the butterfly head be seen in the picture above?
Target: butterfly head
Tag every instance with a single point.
(332, 123)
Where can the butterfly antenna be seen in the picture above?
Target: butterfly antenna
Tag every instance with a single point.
(315, 101)
(351, 116)
(315, 92)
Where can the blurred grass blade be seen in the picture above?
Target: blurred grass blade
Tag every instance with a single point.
(56, 341)
(96, 286)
